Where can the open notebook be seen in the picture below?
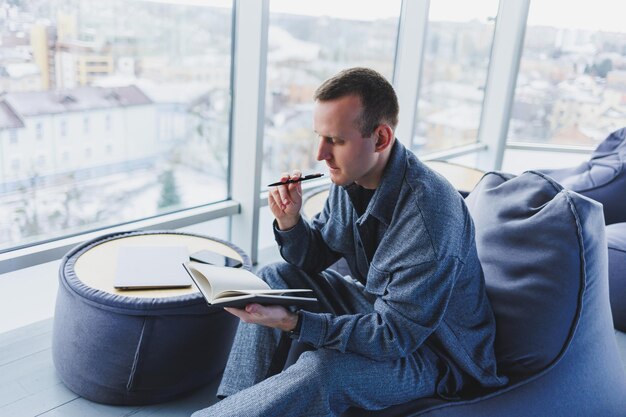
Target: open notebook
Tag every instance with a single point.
(237, 287)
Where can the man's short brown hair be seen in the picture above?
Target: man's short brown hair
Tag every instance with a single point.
(378, 98)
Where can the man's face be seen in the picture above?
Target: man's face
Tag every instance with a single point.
(350, 156)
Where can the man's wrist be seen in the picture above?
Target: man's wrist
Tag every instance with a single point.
(294, 332)
(284, 225)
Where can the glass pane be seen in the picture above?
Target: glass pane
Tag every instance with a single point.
(456, 58)
(308, 42)
(115, 110)
(572, 77)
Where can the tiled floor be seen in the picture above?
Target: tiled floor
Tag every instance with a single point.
(27, 295)
(29, 385)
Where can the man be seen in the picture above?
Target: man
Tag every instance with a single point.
(412, 321)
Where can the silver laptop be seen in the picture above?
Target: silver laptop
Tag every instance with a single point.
(146, 267)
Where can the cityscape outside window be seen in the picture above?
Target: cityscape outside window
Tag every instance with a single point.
(13, 136)
(145, 83)
(454, 73)
(571, 86)
(307, 43)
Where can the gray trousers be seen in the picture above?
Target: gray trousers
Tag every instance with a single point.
(322, 382)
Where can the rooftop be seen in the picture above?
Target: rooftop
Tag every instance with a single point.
(38, 103)
(8, 118)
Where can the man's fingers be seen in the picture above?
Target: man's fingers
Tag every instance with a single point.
(282, 190)
(271, 202)
(244, 314)
(252, 308)
(278, 198)
(271, 316)
(236, 312)
(287, 194)
(297, 187)
(274, 197)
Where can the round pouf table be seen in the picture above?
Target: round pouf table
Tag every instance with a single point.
(142, 346)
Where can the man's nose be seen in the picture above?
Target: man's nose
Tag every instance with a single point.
(322, 151)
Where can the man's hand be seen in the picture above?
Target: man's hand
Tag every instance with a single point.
(285, 201)
(271, 316)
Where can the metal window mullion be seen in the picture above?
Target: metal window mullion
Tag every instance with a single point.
(248, 111)
(409, 57)
(547, 147)
(506, 53)
(27, 256)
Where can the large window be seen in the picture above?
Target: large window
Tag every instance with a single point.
(454, 72)
(307, 43)
(571, 87)
(113, 111)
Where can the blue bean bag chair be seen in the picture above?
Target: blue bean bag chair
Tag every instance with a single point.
(616, 239)
(602, 178)
(544, 254)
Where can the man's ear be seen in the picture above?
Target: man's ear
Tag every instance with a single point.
(384, 137)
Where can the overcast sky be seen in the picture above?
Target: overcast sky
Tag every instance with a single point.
(583, 14)
(605, 15)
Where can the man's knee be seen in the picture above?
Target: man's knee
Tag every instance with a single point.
(325, 364)
(278, 274)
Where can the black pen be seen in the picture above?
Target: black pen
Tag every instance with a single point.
(290, 181)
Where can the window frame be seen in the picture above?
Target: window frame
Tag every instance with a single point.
(248, 66)
(46, 250)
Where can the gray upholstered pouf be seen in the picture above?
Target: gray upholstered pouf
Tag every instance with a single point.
(138, 347)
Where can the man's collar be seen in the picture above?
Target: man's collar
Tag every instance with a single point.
(383, 203)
